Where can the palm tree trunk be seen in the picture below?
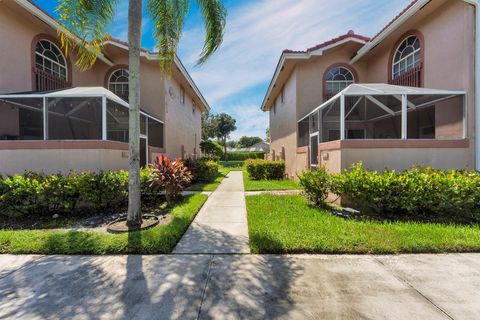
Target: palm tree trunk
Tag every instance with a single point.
(134, 216)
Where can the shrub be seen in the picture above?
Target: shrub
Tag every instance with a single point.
(423, 194)
(316, 185)
(37, 193)
(265, 169)
(22, 195)
(107, 190)
(203, 169)
(211, 149)
(241, 156)
(171, 176)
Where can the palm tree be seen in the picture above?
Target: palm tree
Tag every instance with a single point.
(88, 19)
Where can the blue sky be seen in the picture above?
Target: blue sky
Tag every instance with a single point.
(236, 78)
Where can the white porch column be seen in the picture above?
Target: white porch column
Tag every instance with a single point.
(404, 116)
(342, 117)
(104, 118)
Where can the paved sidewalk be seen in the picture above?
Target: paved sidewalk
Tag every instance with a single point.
(221, 225)
(240, 287)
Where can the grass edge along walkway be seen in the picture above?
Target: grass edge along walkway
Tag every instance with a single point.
(158, 240)
(288, 224)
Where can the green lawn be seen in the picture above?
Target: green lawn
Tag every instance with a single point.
(161, 239)
(288, 224)
(268, 185)
(250, 185)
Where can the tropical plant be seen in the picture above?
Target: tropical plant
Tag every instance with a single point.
(171, 176)
(84, 28)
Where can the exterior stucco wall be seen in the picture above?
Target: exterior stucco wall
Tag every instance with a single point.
(183, 125)
(283, 126)
(402, 159)
(310, 78)
(447, 28)
(62, 160)
(448, 34)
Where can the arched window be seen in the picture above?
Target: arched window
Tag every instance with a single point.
(337, 79)
(118, 83)
(407, 56)
(50, 59)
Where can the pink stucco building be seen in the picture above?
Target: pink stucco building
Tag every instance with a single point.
(53, 117)
(405, 97)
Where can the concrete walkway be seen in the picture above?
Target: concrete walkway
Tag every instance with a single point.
(240, 287)
(221, 225)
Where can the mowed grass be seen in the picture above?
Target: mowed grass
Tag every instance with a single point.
(268, 185)
(161, 239)
(288, 224)
(250, 185)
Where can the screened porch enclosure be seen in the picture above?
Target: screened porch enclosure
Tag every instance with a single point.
(73, 114)
(384, 112)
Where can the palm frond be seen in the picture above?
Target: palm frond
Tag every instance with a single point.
(214, 17)
(84, 27)
(168, 17)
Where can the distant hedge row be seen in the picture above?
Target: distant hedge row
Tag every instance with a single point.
(241, 156)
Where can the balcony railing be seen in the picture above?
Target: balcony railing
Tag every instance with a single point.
(411, 78)
(45, 81)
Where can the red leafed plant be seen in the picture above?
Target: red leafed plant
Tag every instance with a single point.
(171, 176)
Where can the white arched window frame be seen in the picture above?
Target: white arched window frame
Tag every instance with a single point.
(407, 56)
(118, 83)
(49, 58)
(337, 79)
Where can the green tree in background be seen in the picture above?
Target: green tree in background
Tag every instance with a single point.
(246, 142)
(224, 126)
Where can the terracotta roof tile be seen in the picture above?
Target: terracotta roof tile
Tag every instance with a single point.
(350, 34)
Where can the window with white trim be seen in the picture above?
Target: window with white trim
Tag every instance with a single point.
(118, 83)
(50, 59)
(337, 79)
(407, 56)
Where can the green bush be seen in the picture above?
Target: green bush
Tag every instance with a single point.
(424, 194)
(241, 156)
(265, 169)
(211, 150)
(106, 190)
(203, 169)
(316, 185)
(37, 193)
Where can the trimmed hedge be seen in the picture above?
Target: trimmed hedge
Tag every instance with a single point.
(265, 169)
(421, 194)
(203, 169)
(241, 156)
(38, 193)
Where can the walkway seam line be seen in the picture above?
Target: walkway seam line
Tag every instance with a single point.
(204, 291)
(400, 278)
